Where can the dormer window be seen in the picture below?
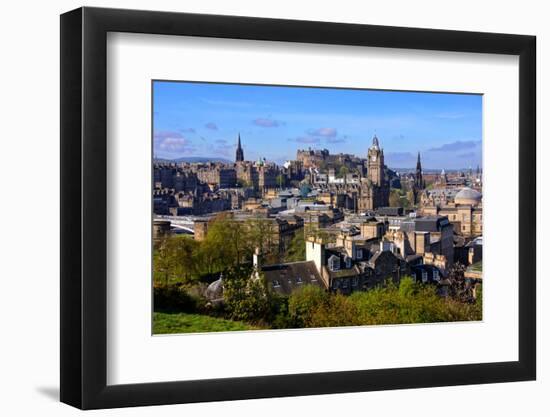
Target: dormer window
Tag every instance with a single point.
(348, 262)
(359, 253)
(334, 263)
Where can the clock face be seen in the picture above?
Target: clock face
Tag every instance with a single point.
(373, 158)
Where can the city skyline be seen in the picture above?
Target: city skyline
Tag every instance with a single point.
(205, 119)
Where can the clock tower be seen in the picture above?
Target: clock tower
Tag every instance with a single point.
(375, 164)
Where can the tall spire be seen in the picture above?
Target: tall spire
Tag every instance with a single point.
(239, 154)
(418, 177)
(375, 141)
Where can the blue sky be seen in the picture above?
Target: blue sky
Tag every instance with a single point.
(203, 119)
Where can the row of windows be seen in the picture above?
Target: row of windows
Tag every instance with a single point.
(276, 283)
(344, 283)
(435, 276)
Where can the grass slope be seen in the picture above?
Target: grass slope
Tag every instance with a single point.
(166, 323)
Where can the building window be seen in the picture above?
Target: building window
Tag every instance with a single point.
(354, 282)
(299, 280)
(424, 276)
(335, 284)
(348, 262)
(345, 283)
(276, 283)
(334, 263)
(436, 275)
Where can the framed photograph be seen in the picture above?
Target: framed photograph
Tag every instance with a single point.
(257, 208)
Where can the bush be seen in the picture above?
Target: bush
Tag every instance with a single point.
(303, 303)
(173, 298)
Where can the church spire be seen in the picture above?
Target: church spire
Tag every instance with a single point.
(375, 143)
(418, 177)
(239, 155)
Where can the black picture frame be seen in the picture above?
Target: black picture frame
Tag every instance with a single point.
(84, 207)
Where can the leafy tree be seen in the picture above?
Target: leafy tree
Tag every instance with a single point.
(303, 303)
(243, 183)
(246, 297)
(401, 198)
(408, 302)
(461, 288)
(262, 235)
(175, 260)
(297, 248)
(281, 180)
(395, 198)
(228, 239)
(343, 172)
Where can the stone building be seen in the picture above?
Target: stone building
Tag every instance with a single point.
(161, 229)
(310, 158)
(464, 210)
(359, 267)
(171, 176)
(429, 237)
(217, 175)
(259, 175)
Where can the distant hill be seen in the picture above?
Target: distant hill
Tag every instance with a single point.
(195, 159)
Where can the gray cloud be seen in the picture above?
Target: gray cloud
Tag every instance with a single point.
(326, 132)
(305, 139)
(211, 126)
(164, 134)
(171, 142)
(455, 146)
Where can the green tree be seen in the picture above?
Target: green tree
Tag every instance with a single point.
(228, 239)
(175, 260)
(297, 249)
(395, 198)
(343, 171)
(262, 235)
(303, 303)
(281, 180)
(245, 295)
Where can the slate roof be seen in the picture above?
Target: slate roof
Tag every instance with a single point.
(389, 211)
(425, 224)
(287, 277)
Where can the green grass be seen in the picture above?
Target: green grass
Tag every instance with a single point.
(169, 323)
